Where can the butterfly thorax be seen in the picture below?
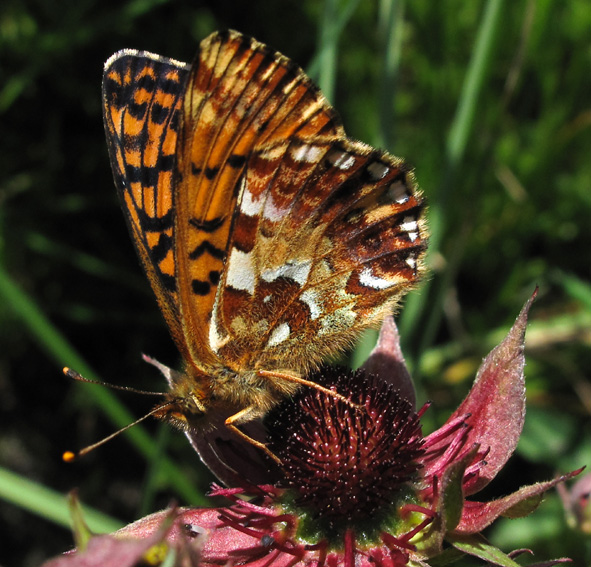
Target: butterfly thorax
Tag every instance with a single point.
(196, 396)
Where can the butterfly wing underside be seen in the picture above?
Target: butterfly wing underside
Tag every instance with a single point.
(328, 235)
(142, 95)
(270, 238)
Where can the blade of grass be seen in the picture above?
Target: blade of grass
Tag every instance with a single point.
(58, 348)
(327, 50)
(49, 504)
(390, 20)
(463, 121)
(323, 66)
(459, 134)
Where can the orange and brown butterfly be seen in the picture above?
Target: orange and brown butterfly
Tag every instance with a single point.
(270, 238)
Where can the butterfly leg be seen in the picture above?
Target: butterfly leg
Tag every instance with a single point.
(309, 384)
(247, 414)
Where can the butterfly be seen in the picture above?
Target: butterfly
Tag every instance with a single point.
(270, 238)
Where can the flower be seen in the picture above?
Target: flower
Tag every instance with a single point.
(360, 484)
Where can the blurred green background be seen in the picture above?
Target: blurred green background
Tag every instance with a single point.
(490, 101)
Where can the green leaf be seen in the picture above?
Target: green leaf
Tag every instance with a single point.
(82, 533)
(477, 546)
(452, 493)
(577, 288)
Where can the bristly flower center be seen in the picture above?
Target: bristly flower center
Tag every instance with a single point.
(348, 463)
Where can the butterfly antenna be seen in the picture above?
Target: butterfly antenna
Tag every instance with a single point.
(79, 378)
(69, 456)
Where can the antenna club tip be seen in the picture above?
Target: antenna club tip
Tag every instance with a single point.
(66, 370)
(68, 456)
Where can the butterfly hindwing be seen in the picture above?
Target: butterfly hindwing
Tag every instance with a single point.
(327, 236)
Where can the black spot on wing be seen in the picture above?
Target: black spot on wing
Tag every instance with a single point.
(155, 224)
(264, 125)
(159, 252)
(137, 110)
(200, 288)
(165, 163)
(159, 113)
(204, 247)
(207, 225)
(236, 161)
(133, 173)
(168, 282)
(214, 277)
(211, 172)
(170, 86)
(146, 82)
(148, 176)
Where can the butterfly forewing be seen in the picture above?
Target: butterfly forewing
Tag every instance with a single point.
(142, 95)
(241, 96)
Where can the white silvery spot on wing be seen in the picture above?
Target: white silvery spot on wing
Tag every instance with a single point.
(240, 272)
(377, 170)
(368, 279)
(341, 160)
(296, 271)
(398, 192)
(306, 153)
(279, 334)
(310, 298)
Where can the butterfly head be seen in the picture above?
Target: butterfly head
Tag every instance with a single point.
(186, 405)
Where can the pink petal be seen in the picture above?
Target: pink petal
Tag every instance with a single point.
(217, 542)
(188, 522)
(478, 515)
(387, 361)
(496, 403)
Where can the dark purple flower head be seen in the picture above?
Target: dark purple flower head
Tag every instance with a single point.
(347, 465)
